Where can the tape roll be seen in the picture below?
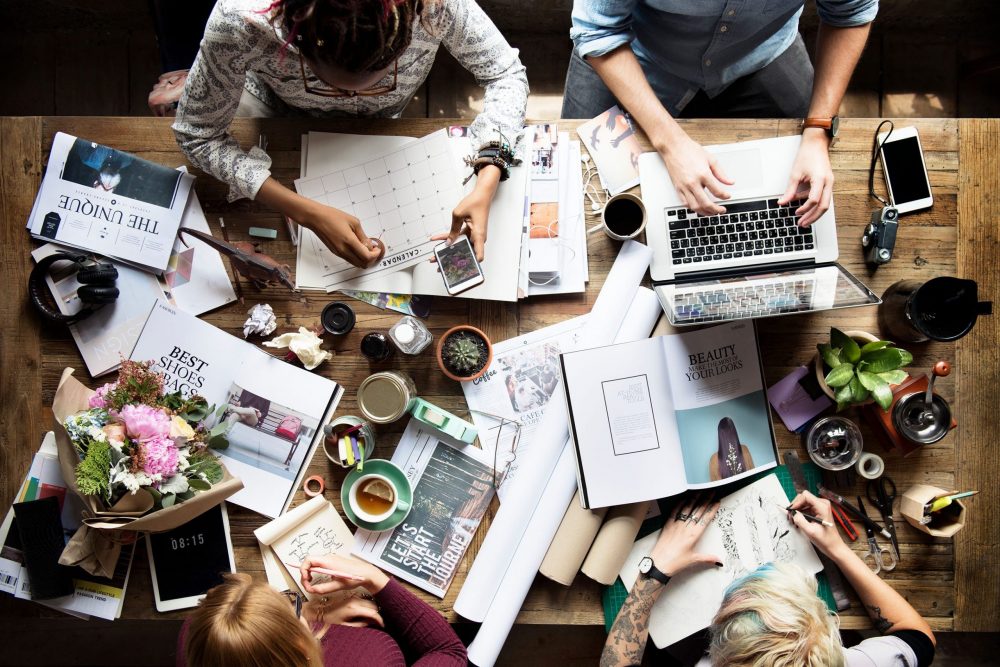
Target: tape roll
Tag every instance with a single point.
(313, 486)
(870, 466)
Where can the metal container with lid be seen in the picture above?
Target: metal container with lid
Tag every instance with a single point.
(834, 443)
(386, 396)
(919, 422)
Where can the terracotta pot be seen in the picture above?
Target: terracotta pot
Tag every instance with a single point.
(440, 346)
(861, 338)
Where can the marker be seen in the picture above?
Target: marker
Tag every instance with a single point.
(939, 504)
(331, 573)
(807, 517)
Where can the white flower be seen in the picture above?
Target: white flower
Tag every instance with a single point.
(97, 434)
(176, 484)
(182, 459)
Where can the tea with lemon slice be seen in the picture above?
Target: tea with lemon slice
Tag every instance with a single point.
(376, 497)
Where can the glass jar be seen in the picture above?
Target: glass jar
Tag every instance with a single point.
(386, 396)
(410, 335)
(375, 346)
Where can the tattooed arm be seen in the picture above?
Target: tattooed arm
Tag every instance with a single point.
(888, 609)
(674, 551)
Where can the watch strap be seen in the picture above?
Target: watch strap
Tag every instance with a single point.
(657, 574)
(824, 123)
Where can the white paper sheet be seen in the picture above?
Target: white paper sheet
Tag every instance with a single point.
(523, 528)
(749, 530)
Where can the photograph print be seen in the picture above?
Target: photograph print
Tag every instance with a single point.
(530, 375)
(109, 170)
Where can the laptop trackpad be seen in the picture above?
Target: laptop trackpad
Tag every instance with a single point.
(746, 168)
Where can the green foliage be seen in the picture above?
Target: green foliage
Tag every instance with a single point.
(192, 410)
(858, 373)
(204, 463)
(462, 353)
(94, 471)
(137, 383)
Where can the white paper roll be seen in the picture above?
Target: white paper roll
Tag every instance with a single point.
(870, 466)
(497, 553)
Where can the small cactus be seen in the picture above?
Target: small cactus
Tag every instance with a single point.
(464, 353)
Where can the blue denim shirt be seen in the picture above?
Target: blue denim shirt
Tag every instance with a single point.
(689, 45)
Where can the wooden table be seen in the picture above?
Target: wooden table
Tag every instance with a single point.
(952, 583)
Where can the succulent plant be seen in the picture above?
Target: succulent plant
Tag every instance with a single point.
(858, 373)
(463, 353)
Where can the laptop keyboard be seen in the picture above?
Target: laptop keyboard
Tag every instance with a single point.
(746, 229)
(744, 301)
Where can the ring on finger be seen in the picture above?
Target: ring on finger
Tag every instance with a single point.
(683, 516)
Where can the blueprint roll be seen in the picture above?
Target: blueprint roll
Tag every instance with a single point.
(571, 544)
(495, 559)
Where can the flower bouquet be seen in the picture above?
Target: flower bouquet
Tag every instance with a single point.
(140, 459)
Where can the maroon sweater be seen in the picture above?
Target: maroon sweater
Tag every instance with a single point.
(415, 634)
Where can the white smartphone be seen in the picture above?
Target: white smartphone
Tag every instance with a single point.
(904, 169)
(458, 265)
(187, 561)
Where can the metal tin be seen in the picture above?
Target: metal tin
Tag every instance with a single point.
(386, 396)
(834, 443)
(333, 430)
(920, 423)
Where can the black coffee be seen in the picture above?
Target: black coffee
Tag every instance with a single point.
(623, 217)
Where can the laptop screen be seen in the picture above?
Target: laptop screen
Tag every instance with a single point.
(763, 295)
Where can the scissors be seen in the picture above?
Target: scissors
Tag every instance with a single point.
(884, 495)
(877, 559)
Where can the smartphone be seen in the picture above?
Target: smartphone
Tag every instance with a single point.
(458, 265)
(904, 169)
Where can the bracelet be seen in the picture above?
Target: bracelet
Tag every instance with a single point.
(497, 162)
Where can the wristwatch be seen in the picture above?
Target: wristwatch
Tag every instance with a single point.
(647, 568)
(831, 125)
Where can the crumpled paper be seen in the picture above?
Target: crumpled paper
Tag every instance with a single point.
(304, 344)
(261, 321)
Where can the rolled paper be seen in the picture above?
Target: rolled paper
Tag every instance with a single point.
(572, 542)
(614, 542)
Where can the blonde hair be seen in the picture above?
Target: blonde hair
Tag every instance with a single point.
(248, 624)
(774, 618)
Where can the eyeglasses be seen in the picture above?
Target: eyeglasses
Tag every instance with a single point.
(295, 599)
(340, 92)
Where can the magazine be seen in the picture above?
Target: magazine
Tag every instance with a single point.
(656, 417)
(274, 409)
(452, 489)
(610, 139)
(94, 596)
(112, 203)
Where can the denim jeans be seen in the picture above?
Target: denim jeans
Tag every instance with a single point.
(781, 89)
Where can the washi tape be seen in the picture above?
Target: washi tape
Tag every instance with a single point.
(870, 466)
(313, 486)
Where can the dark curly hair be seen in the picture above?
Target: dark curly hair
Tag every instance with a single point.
(356, 35)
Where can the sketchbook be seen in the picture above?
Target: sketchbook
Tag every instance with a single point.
(274, 409)
(749, 530)
(103, 200)
(656, 417)
(314, 528)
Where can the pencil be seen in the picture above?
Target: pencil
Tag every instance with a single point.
(331, 573)
(809, 517)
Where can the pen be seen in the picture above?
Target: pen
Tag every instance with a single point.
(807, 517)
(939, 504)
(839, 499)
(331, 573)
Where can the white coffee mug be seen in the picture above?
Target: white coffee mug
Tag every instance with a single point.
(362, 481)
(621, 205)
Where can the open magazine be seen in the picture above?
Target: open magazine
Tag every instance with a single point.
(103, 200)
(452, 489)
(656, 417)
(274, 409)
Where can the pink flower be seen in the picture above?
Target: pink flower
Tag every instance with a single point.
(97, 400)
(143, 422)
(159, 456)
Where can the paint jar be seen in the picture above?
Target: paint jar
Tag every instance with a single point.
(834, 443)
(410, 335)
(386, 396)
(376, 347)
(335, 430)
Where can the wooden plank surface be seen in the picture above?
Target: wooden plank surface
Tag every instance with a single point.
(926, 248)
(977, 581)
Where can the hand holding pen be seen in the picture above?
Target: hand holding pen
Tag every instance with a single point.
(814, 517)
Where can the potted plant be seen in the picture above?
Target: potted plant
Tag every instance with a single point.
(855, 367)
(464, 353)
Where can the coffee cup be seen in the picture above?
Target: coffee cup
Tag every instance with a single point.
(623, 217)
(374, 498)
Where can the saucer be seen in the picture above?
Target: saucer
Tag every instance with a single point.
(403, 488)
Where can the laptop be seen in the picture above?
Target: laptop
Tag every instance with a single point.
(752, 261)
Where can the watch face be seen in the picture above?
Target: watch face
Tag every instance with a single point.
(645, 565)
(834, 126)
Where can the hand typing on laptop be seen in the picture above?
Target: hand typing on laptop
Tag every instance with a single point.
(811, 172)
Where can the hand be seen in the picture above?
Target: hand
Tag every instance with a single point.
(345, 609)
(693, 170)
(343, 235)
(371, 579)
(811, 171)
(825, 538)
(674, 550)
(473, 212)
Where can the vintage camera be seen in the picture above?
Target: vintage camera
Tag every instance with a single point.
(879, 237)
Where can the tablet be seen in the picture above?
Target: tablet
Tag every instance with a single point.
(187, 561)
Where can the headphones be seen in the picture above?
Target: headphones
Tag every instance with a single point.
(97, 287)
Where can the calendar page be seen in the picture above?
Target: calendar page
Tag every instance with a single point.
(402, 198)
